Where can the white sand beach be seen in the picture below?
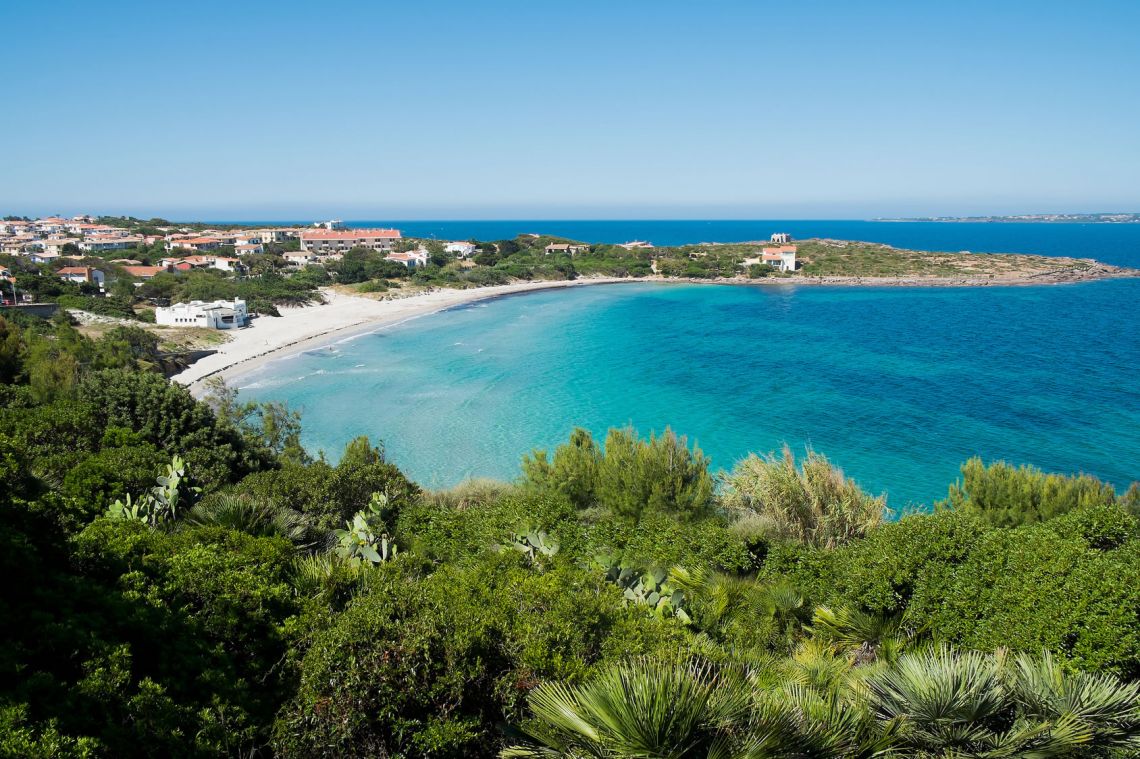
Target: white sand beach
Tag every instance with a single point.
(299, 329)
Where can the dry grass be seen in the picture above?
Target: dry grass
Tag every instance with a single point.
(813, 503)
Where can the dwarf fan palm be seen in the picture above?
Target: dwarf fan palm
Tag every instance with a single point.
(645, 709)
(947, 703)
(244, 514)
(1107, 710)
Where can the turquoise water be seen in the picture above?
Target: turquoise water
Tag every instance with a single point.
(897, 386)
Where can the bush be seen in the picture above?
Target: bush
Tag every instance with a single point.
(108, 306)
(814, 504)
(112, 473)
(630, 477)
(1036, 587)
(1007, 496)
(428, 667)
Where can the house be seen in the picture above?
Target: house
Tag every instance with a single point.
(186, 263)
(411, 259)
(782, 258)
(15, 227)
(13, 247)
(781, 238)
(331, 226)
(461, 249)
(299, 257)
(57, 244)
(276, 235)
(144, 272)
(81, 275)
(43, 257)
(98, 243)
(636, 245)
(51, 225)
(248, 249)
(567, 248)
(324, 241)
(198, 244)
(219, 314)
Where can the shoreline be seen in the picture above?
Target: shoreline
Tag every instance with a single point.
(343, 316)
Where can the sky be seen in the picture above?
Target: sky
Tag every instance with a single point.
(570, 110)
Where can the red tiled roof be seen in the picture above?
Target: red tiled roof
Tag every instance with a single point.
(144, 271)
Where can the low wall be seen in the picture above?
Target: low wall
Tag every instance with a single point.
(43, 310)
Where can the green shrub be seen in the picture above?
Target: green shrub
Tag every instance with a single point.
(1044, 586)
(429, 667)
(1007, 496)
(629, 477)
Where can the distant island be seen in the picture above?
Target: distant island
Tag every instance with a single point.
(1041, 218)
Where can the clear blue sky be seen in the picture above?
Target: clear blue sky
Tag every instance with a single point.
(615, 109)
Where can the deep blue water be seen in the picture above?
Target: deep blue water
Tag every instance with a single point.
(1113, 243)
(897, 386)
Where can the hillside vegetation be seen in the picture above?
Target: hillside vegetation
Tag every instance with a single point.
(183, 579)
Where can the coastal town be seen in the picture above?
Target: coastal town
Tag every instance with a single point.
(204, 290)
(92, 254)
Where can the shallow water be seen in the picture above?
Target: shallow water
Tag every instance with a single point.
(897, 386)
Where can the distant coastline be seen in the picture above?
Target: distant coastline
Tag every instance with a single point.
(1034, 218)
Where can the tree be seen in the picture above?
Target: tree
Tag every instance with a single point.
(1007, 496)
(630, 477)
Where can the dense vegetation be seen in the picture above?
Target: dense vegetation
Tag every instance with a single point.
(183, 579)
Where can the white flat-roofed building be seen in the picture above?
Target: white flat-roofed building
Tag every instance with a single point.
(461, 249)
(220, 314)
(299, 257)
(326, 241)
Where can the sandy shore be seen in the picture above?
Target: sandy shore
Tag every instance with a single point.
(342, 315)
(300, 329)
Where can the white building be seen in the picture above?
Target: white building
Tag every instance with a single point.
(781, 238)
(220, 314)
(782, 258)
(326, 241)
(277, 235)
(299, 257)
(332, 226)
(411, 259)
(81, 275)
(461, 249)
(97, 243)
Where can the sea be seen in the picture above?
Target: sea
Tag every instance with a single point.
(898, 386)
